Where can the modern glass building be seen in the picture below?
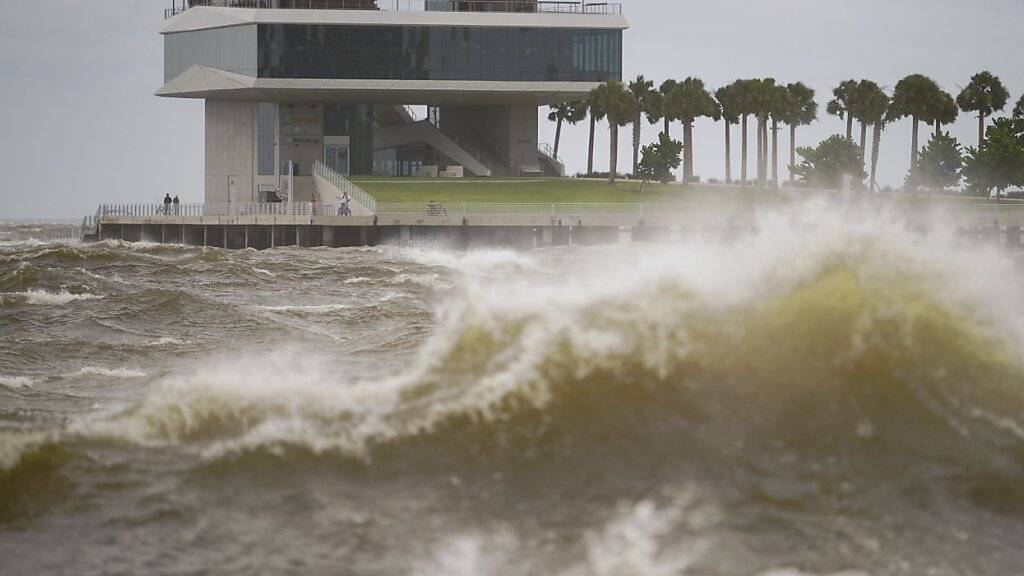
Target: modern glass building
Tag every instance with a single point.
(291, 82)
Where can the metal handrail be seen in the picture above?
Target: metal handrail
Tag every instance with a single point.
(344, 185)
(215, 209)
(503, 6)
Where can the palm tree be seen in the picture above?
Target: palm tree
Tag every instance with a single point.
(659, 106)
(914, 97)
(944, 111)
(780, 101)
(761, 95)
(984, 95)
(570, 112)
(688, 101)
(618, 105)
(866, 92)
(845, 96)
(597, 112)
(1018, 110)
(729, 105)
(801, 109)
(641, 89)
(874, 110)
(743, 94)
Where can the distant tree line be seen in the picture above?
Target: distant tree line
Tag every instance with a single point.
(996, 163)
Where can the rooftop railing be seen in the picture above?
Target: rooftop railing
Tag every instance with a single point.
(505, 6)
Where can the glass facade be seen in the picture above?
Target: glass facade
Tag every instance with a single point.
(356, 122)
(439, 53)
(266, 137)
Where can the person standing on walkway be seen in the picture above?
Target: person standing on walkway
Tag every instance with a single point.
(167, 204)
(177, 205)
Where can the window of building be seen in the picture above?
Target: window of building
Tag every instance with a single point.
(266, 129)
(439, 53)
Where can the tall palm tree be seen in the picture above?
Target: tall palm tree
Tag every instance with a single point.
(985, 94)
(780, 102)
(597, 113)
(845, 96)
(801, 109)
(617, 103)
(641, 89)
(729, 105)
(944, 111)
(569, 112)
(743, 93)
(688, 101)
(1018, 110)
(761, 94)
(914, 97)
(659, 106)
(865, 92)
(874, 110)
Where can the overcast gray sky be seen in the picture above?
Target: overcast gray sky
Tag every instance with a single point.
(80, 124)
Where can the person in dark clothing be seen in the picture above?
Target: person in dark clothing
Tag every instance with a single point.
(167, 204)
(177, 205)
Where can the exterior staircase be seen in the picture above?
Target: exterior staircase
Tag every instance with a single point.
(331, 187)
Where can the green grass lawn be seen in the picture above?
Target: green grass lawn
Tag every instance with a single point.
(571, 190)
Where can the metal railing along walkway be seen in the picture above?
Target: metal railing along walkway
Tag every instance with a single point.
(344, 185)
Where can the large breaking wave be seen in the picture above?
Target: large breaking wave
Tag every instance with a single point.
(824, 329)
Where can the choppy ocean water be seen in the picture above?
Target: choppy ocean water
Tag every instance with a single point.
(831, 395)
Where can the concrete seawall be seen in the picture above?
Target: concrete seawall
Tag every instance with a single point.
(502, 225)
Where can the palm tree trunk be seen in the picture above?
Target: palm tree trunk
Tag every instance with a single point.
(743, 153)
(613, 163)
(792, 153)
(728, 155)
(874, 156)
(590, 150)
(849, 126)
(913, 154)
(863, 139)
(981, 128)
(775, 152)
(938, 128)
(760, 151)
(636, 140)
(668, 125)
(687, 151)
(558, 136)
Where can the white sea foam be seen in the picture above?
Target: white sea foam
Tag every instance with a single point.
(264, 272)
(307, 308)
(43, 298)
(166, 341)
(358, 280)
(482, 261)
(432, 281)
(17, 382)
(106, 372)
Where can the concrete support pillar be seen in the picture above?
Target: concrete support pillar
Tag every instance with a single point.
(298, 241)
(206, 236)
(272, 232)
(183, 240)
(1013, 237)
(246, 236)
(560, 236)
(99, 232)
(546, 236)
(224, 236)
(163, 233)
